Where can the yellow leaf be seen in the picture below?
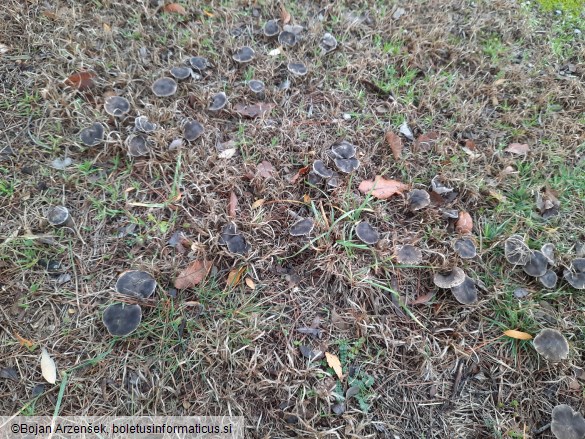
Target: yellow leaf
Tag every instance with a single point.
(48, 368)
(306, 198)
(235, 276)
(209, 14)
(256, 204)
(334, 363)
(250, 283)
(23, 341)
(517, 334)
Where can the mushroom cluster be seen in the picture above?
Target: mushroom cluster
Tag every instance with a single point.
(462, 286)
(235, 242)
(343, 155)
(567, 423)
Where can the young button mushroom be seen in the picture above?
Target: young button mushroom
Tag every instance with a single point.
(143, 124)
(180, 72)
(418, 199)
(466, 293)
(548, 250)
(321, 170)
(465, 248)
(328, 43)
(537, 264)
(567, 423)
(409, 255)
(218, 101)
(257, 87)
(164, 87)
(347, 165)
(137, 145)
(302, 227)
(198, 63)
(549, 279)
(122, 319)
(136, 283)
(235, 242)
(192, 129)
(58, 216)
(297, 68)
(287, 39)
(516, 251)
(343, 150)
(92, 135)
(116, 106)
(244, 54)
(449, 279)
(552, 345)
(271, 28)
(366, 233)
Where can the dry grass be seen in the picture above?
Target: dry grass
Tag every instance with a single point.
(215, 350)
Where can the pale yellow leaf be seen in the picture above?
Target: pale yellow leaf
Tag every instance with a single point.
(518, 335)
(250, 283)
(334, 363)
(48, 368)
(235, 276)
(256, 204)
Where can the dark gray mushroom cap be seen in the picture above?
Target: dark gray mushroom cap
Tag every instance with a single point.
(313, 178)
(136, 283)
(418, 199)
(57, 215)
(297, 68)
(137, 145)
(164, 86)
(549, 279)
(449, 279)
(192, 129)
(328, 43)
(321, 170)
(343, 150)
(438, 187)
(287, 39)
(409, 254)
(271, 28)
(302, 227)
(466, 293)
(122, 319)
(143, 124)
(116, 106)
(199, 63)
(578, 265)
(334, 181)
(366, 233)
(218, 101)
(449, 213)
(244, 54)
(347, 165)
(293, 28)
(537, 264)
(567, 423)
(92, 135)
(576, 280)
(256, 86)
(516, 251)
(551, 344)
(235, 241)
(548, 250)
(180, 72)
(465, 248)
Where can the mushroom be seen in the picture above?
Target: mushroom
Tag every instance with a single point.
(58, 216)
(347, 165)
(449, 213)
(537, 264)
(567, 423)
(137, 145)
(180, 72)
(366, 233)
(302, 227)
(313, 178)
(192, 129)
(343, 150)
(465, 248)
(334, 181)
(409, 254)
(297, 68)
(578, 265)
(328, 43)
(438, 187)
(466, 293)
(143, 124)
(116, 106)
(257, 87)
(235, 241)
(198, 63)
(549, 279)
(122, 319)
(551, 344)
(284, 85)
(321, 170)
(218, 101)
(516, 251)
(271, 28)
(287, 39)
(244, 54)
(92, 135)
(164, 86)
(293, 28)
(548, 250)
(449, 279)
(418, 199)
(136, 283)
(576, 280)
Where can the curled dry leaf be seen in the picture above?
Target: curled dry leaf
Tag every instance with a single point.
(284, 15)
(265, 169)
(256, 204)
(518, 335)
(260, 109)
(395, 143)
(194, 274)
(48, 367)
(232, 205)
(464, 224)
(175, 8)
(518, 148)
(335, 364)
(382, 188)
(23, 341)
(235, 276)
(81, 80)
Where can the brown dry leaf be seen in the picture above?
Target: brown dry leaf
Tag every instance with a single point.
(301, 173)
(175, 8)
(265, 169)
(395, 143)
(250, 283)
(232, 205)
(518, 335)
(23, 341)
(382, 188)
(259, 202)
(464, 223)
(426, 141)
(195, 273)
(306, 198)
(335, 364)
(107, 28)
(235, 276)
(518, 148)
(470, 145)
(48, 367)
(81, 80)
(284, 15)
(260, 109)
(422, 299)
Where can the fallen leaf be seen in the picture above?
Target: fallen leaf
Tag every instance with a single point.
(107, 28)
(81, 80)
(275, 52)
(426, 141)
(518, 335)
(395, 143)
(301, 173)
(464, 223)
(265, 169)
(422, 299)
(518, 148)
(259, 109)
(61, 164)
(232, 205)
(256, 204)
(382, 188)
(175, 8)
(470, 145)
(48, 368)
(227, 153)
(335, 364)
(9, 373)
(195, 273)
(23, 341)
(234, 276)
(284, 15)
(306, 198)
(250, 283)
(406, 131)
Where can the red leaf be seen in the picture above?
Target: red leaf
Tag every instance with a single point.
(301, 173)
(395, 143)
(81, 80)
(260, 109)
(464, 224)
(265, 169)
(232, 205)
(175, 8)
(382, 188)
(193, 274)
